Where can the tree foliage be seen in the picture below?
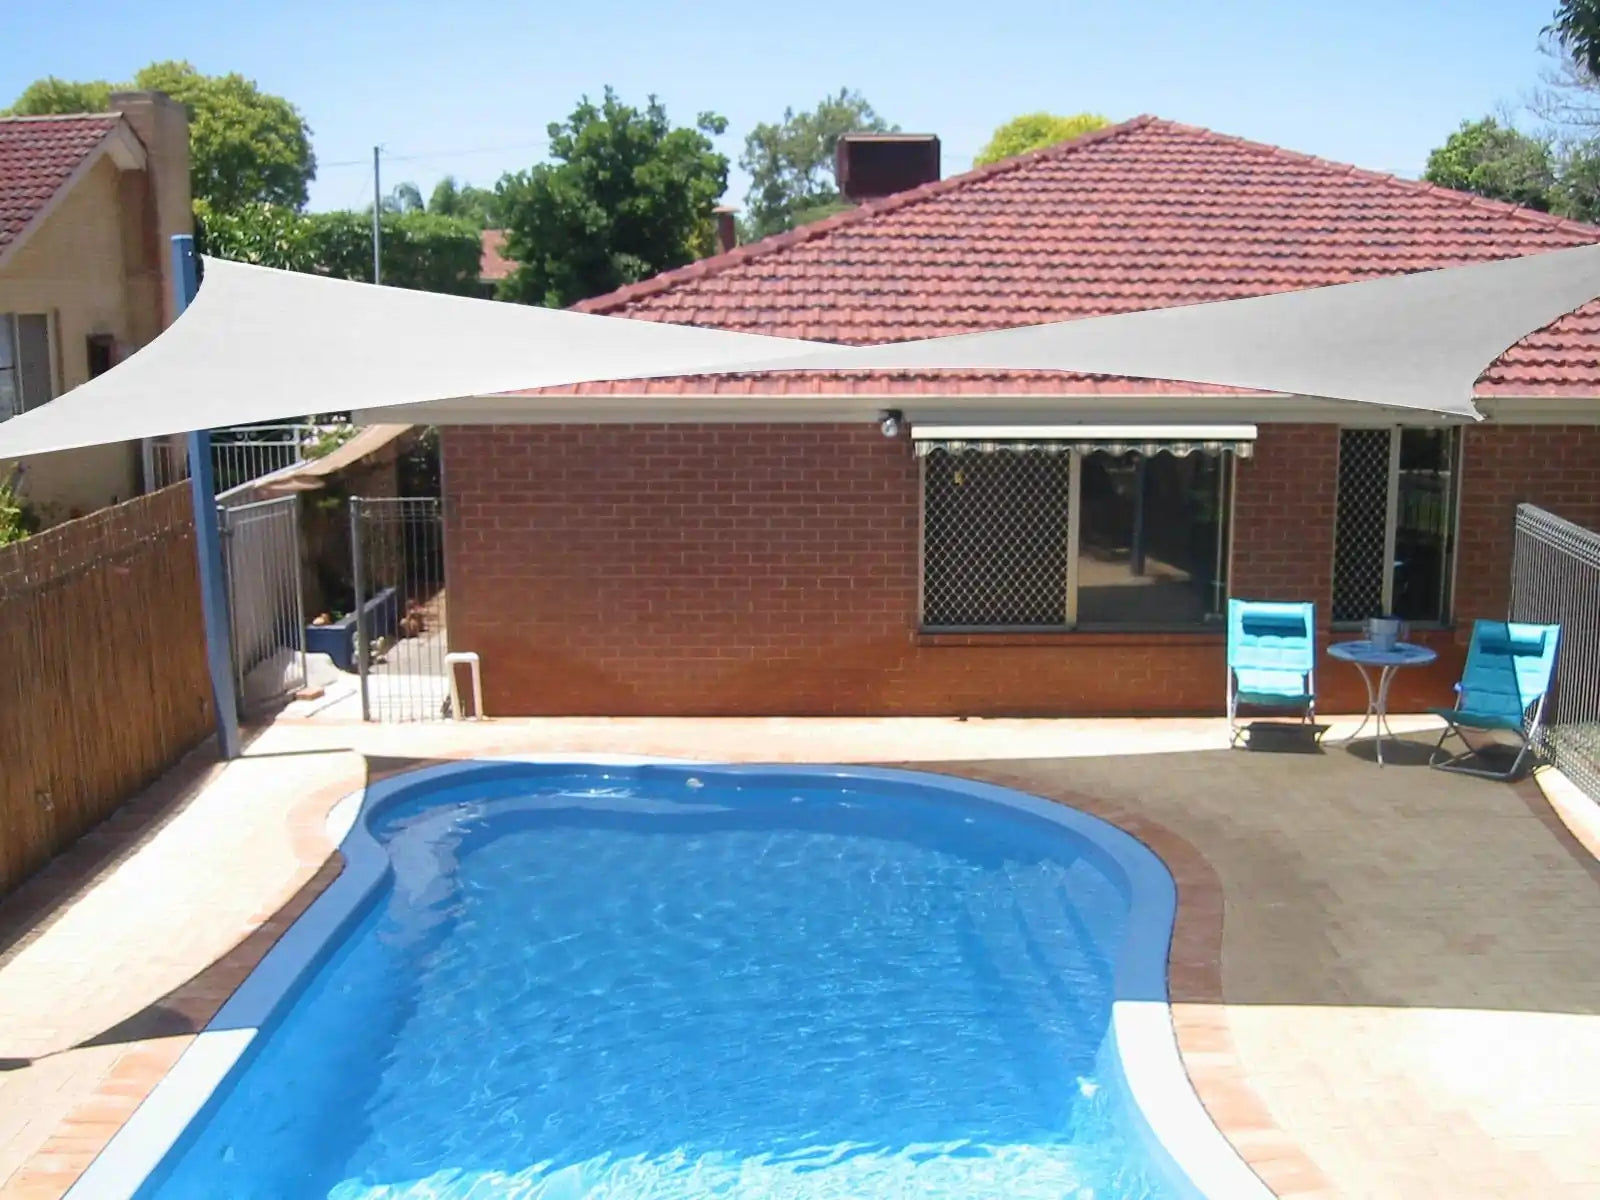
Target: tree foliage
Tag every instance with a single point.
(1495, 160)
(246, 146)
(626, 196)
(420, 250)
(791, 162)
(49, 97)
(479, 205)
(1035, 131)
(403, 197)
(1575, 27)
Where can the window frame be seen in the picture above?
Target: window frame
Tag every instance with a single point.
(1391, 532)
(1227, 483)
(23, 402)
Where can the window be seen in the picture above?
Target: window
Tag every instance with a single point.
(1059, 538)
(1395, 537)
(26, 379)
(102, 349)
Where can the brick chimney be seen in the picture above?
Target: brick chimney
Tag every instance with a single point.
(163, 126)
(727, 228)
(872, 165)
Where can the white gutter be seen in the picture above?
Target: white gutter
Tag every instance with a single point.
(566, 408)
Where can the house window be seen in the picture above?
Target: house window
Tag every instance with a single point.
(1064, 537)
(26, 379)
(1395, 538)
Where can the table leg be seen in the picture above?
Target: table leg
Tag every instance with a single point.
(1382, 722)
(1372, 701)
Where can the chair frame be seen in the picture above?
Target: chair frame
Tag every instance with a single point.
(1307, 711)
(1527, 735)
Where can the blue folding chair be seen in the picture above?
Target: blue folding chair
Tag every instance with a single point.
(1272, 659)
(1504, 688)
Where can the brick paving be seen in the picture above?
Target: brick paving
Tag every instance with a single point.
(1385, 983)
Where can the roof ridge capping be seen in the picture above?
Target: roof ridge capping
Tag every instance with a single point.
(862, 212)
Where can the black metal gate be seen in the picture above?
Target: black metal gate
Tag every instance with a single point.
(397, 550)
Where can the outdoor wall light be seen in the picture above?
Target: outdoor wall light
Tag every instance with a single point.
(891, 422)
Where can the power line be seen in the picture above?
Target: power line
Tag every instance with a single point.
(425, 155)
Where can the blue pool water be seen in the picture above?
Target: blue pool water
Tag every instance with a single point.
(656, 983)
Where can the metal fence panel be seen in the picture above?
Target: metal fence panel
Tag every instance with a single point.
(1555, 578)
(261, 548)
(398, 567)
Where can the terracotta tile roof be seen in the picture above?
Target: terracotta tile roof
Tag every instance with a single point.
(1145, 214)
(37, 155)
(494, 265)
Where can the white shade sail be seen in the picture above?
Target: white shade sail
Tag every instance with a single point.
(1416, 341)
(259, 344)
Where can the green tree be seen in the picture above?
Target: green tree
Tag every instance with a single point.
(403, 197)
(1496, 161)
(246, 146)
(791, 162)
(268, 235)
(1035, 131)
(52, 97)
(626, 196)
(1575, 26)
(476, 204)
(1577, 190)
(420, 250)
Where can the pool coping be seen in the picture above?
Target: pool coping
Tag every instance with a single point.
(1152, 1063)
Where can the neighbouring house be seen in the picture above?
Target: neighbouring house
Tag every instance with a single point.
(1027, 543)
(493, 266)
(88, 203)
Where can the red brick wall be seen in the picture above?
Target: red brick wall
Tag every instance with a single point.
(1554, 466)
(742, 570)
(748, 570)
(1283, 516)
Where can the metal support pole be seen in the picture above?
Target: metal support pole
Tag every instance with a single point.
(377, 228)
(207, 536)
(357, 568)
(299, 599)
(1136, 553)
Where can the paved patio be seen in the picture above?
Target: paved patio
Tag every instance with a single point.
(1386, 983)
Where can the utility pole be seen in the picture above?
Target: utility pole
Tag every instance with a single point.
(377, 231)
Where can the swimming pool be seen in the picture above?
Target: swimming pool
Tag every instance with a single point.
(633, 979)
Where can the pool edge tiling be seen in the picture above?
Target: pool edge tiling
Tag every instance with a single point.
(1177, 1125)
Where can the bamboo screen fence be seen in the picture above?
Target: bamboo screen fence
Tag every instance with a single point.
(103, 681)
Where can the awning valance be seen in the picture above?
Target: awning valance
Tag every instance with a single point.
(1112, 439)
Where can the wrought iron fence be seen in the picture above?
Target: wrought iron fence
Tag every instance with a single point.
(398, 551)
(240, 455)
(266, 608)
(1555, 578)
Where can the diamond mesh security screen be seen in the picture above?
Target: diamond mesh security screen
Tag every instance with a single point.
(1555, 579)
(994, 550)
(1359, 565)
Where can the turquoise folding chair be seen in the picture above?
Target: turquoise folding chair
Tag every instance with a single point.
(1272, 659)
(1504, 688)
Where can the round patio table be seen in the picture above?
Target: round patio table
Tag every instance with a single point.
(1366, 657)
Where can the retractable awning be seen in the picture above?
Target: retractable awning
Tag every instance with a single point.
(1114, 439)
(259, 344)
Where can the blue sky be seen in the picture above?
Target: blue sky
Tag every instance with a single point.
(469, 89)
